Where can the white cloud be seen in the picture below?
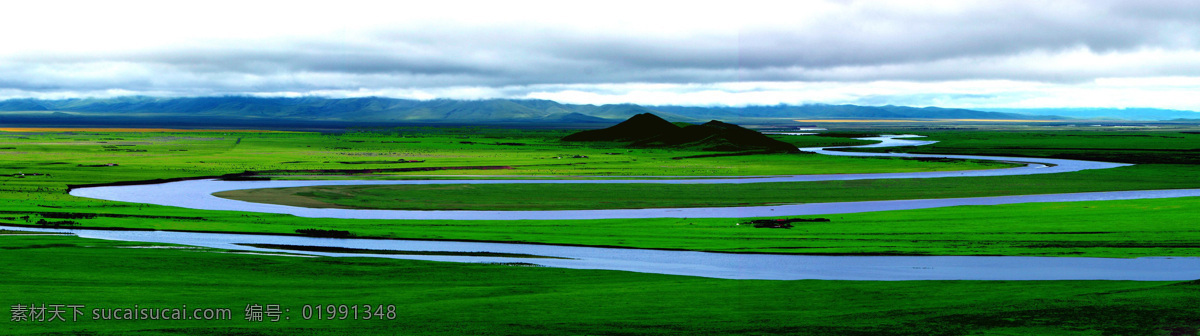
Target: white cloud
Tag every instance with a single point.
(1170, 93)
(950, 53)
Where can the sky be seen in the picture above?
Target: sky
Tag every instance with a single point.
(959, 53)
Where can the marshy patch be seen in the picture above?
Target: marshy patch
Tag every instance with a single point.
(781, 223)
(325, 233)
(37, 246)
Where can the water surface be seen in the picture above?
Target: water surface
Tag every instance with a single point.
(707, 264)
(197, 194)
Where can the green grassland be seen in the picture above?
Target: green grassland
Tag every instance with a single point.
(1166, 160)
(1132, 146)
(48, 162)
(803, 141)
(1161, 226)
(434, 298)
(1135, 228)
(627, 196)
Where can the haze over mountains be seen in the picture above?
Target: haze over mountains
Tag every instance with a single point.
(1105, 113)
(239, 110)
(390, 110)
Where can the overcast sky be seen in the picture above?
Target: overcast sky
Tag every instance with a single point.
(922, 53)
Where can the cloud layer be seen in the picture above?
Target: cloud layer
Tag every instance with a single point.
(948, 53)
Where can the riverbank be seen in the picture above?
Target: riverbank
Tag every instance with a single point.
(689, 263)
(1120, 229)
(455, 299)
(645, 195)
(672, 233)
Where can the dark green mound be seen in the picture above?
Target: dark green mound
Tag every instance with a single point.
(638, 127)
(648, 130)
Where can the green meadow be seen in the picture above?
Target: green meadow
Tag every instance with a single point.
(433, 298)
(1108, 229)
(54, 160)
(1137, 145)
(1136, 228)
(1165, 161)
(626, 196)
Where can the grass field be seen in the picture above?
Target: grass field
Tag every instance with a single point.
(1000, 230)
(127, 130)
(46, 161)
(433, 298)
(1128, 146)
(626, 196)
(1162, 227)
(925, 121)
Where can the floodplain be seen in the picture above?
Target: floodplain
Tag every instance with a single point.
(37, 168)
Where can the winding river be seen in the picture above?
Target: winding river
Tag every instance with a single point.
(713, 265)
(197, 195)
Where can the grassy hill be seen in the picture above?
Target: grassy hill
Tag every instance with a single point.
(648, 130)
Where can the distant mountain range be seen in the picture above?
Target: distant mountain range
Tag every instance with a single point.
(1105, 113)
(243, 110)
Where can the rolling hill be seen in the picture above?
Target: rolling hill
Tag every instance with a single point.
(648, 130)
